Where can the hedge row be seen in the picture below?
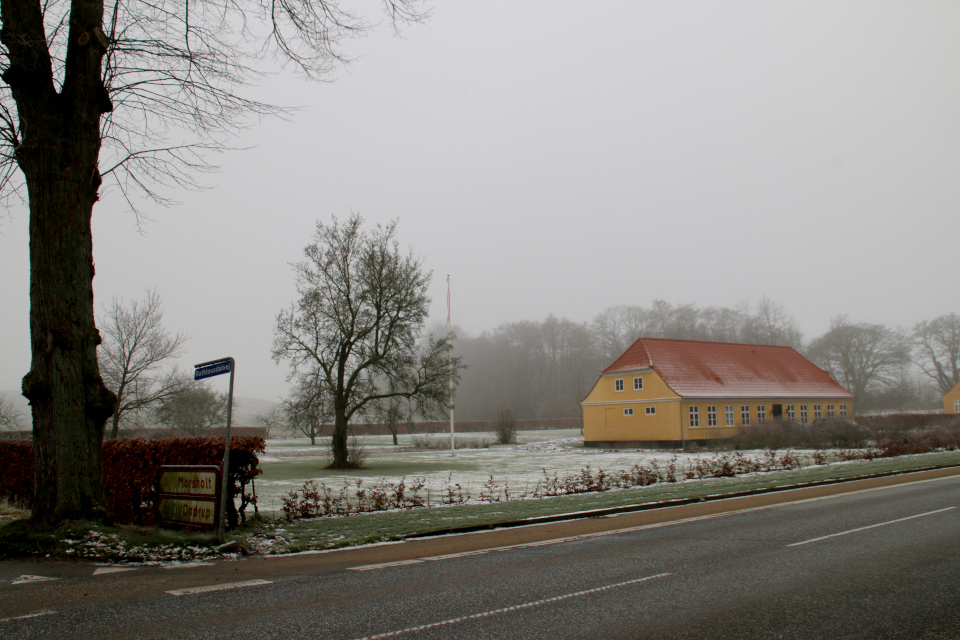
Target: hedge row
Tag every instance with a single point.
(130, 471)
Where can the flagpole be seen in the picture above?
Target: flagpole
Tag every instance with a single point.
(450, 364)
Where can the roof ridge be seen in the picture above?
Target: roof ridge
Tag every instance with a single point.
(720, 342)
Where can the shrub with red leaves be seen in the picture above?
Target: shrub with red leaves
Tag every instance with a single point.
(130, 471)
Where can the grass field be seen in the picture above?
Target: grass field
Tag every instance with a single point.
(340, 531)
(287, 464)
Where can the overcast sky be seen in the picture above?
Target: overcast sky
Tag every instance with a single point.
(563, 157)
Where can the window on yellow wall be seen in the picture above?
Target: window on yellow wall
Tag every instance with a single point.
(790, 412)
(711, 415)
(745, 414)
(956, 407)
(694, 416)
(628, 411)
(843, 411)
(618, 384)
(803, 413)
(817, 413)
(728, 415)
(651, 411)
(829, 410)
(638, 384)
(761, 413)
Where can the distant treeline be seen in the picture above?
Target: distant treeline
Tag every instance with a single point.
(541, 370)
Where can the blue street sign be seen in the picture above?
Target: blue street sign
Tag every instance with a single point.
(212, 369)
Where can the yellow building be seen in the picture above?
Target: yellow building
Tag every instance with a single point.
(668, 392)
(951, 400)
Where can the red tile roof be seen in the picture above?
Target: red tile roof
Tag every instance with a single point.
(726, 370)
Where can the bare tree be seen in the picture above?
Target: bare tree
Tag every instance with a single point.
(392, 417)
(134, 93)
(308, 409)
(358, 323)
(937, 349)
(616, 328)
(10, 416)
(274, 419)
(135, 345)
(772, 324)
(861, 355)
(193, 410)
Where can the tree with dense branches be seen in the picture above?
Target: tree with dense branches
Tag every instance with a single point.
(356, 333)
(860, 355)
(193, 410)
(129, 93)
(937, 348)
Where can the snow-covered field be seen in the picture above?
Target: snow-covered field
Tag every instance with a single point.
(289, 463)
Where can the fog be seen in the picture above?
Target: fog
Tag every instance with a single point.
(560, 158)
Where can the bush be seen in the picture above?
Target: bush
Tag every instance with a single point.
(130, 472)
(16, 481)
(357, 453)
(823, 434)
(505, 427)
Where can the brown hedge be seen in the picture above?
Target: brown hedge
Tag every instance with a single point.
(130, 470)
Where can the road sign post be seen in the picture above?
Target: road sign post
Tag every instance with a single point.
(208, 370)
(188, 496)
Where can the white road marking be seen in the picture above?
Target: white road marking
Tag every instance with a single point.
(525, 605)
(383, 565)
(186, 565)
(45, 612)
(872, 526)
(218, 587)
(30, 579)
(463, 554)
(102, 570)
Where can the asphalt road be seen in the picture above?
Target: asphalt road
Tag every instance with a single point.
(853, 561)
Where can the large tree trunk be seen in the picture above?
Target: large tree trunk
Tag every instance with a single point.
(68, 399)
(338, 442)
(58, 157)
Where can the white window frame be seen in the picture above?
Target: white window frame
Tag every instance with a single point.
(804, 415)
(956, 406)
(843, 411)
(618, 385)
(694, 415)
(830, 411)
(817, 413)
(711, 415)
(628, 411)
(745, 415)
(651, 411)
(791, 413)
(761, 413)
(638, 383)
(728, 415)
